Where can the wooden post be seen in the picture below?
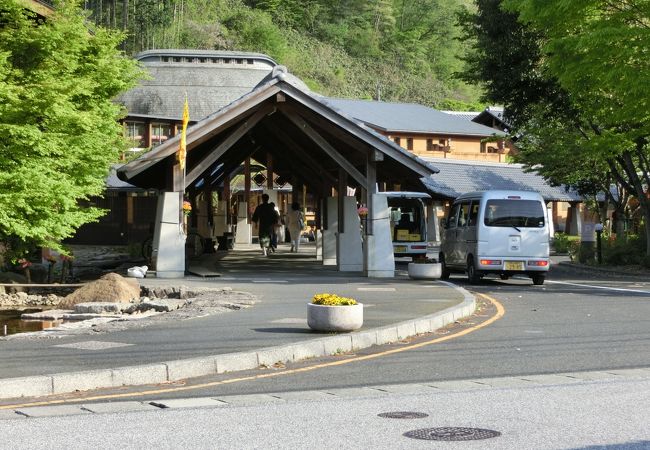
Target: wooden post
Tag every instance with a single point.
(247, 188)
(269, 171)
(342, 192)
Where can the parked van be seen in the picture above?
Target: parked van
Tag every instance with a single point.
(408, 223)
(497, 232)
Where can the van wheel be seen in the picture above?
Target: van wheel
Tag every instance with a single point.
(473, 275)
(538, 279)
(444, 271)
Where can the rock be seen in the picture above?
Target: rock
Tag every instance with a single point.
(13, 278)
(88, 316)
(100, 308)
(52, 314)
(111, 288)
(165, 305)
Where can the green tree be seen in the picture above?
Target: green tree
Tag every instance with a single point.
(59, 127)
(574, 78)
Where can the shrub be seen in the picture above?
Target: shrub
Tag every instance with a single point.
(561, 243)
(630, 251)
(332, 300)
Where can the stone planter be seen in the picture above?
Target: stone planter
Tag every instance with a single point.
(425, 271)
(334, 318)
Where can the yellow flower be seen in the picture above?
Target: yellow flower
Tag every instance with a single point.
(332, 300)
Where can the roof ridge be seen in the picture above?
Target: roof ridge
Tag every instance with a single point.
(469, 162)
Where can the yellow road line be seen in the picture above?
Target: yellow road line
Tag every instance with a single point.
(497, 316)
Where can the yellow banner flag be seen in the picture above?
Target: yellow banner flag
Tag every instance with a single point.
(182, 150)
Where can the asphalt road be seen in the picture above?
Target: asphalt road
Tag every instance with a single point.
(571, 324)
(557, 371)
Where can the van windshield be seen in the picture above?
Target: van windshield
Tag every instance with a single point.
(514, 213)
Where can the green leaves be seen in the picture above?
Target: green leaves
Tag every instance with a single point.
(59, 125)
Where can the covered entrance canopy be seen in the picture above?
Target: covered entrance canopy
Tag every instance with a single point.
(298, 137)
(281, 124)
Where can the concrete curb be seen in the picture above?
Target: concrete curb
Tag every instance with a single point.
(169, 371)
(601, 270)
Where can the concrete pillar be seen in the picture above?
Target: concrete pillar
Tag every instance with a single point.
(220, 219)
(319, 245)
(244, 233)
(551, 222)
(329, 234)
(349, 252)
(574, 219)
(168, 237)
(379, 261)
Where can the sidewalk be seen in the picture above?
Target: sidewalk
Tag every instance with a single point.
(273, 330)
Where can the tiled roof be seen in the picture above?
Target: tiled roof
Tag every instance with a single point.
(408, 118)
(467, 115)
(459, 177)
(210, 79)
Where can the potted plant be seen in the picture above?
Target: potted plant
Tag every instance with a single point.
(331, 312)
(424, 268)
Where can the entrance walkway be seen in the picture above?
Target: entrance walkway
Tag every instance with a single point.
(248, 260)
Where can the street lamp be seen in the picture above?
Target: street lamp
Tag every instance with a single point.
(599, 248)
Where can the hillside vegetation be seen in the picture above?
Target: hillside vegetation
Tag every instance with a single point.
(397, 50)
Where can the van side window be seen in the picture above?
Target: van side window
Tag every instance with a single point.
(473, 213)
(463, 214)
(453, 218)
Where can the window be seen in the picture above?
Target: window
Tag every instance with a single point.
(160, 132)
(514, 213)
(135, 132)
(409, 143)
(463, 214)
(430, 145)
(453, 218)
(398, 141)
(473, 214)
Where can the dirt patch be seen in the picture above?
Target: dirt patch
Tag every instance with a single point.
(112, 288)
(198, 303)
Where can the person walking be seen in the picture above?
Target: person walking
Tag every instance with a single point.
(295, 224)
(275, 229)
(265, 217)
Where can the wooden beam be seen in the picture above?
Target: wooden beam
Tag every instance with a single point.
(325, 146)
(350, 127)
(269, 171)
(333, 128)
(222, 148)
(371, 190)
(341, 193)
(299, 153)
(247, 187)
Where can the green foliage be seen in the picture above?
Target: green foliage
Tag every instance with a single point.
(403, 51)
(574, 78)
(561, 242)
(59, 126)
(619, 252)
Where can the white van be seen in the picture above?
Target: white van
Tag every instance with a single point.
(498, 232)
(408, 223)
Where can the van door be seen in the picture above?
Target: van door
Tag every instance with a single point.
(463, 233)
(468, 240)
(449, 235)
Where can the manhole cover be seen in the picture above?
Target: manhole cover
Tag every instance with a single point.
(403, 415)
(451, 434)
